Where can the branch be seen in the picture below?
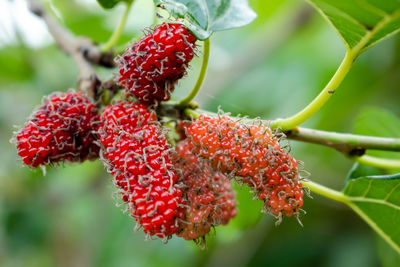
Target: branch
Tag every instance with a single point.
(349, 144)
(321, 99)
(82, 50)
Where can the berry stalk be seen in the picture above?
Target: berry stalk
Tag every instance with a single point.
(118, 31)
(206, 55)
(325, 191)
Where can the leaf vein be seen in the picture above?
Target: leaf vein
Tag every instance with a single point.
(368, 188)
(391, 192)
(376, 201)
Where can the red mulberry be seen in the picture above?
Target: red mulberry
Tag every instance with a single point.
(151, 67)
(208, 195)
(137, 153)
(62, 129)
(253, 153)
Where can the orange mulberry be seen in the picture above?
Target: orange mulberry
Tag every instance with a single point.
(253, 153)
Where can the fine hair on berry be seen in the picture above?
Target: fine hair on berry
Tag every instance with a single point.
(136, 152)
(150, 68)
(252, 153)
(207, 194)
(63, 128)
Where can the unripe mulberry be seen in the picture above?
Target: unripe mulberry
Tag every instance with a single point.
(151, 67)
(207, 193)
(253, 153)
(61, 129)
(137, 154)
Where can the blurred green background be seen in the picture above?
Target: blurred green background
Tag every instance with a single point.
(271, 68)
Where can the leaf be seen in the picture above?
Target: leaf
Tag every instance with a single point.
(377, 200)
(208, 16)
(108, 4)
(359, 170)
(361, 23)
(387, 256)
(376, 121)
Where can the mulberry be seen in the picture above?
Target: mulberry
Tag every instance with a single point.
(137, 154)
(151, 67)
(207, 193)
(61, 129)
(253, 153)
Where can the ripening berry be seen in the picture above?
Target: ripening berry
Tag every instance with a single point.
(61, 129)
(151, 67)
(137, 154)
(207, 194)
(253, 153)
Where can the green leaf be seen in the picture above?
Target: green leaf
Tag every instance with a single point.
(377, 200)
(376, 121)
(108, 4)
(362, 23)
(208, 16)
(359, 170)
(387, 256)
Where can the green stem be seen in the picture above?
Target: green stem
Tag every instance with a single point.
(118, 31)
(326, 192)
(379, 162)
(321, 99)
(191, 113)
(206, 55)
(343, 142)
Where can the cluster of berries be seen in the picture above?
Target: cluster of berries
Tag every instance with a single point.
(167, 192)
(183, 190)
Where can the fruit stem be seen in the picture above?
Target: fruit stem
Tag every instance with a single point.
(118, 30)
(321, 99)
(383, 163)
(326, 192)
(206, 55)
(191, 113)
